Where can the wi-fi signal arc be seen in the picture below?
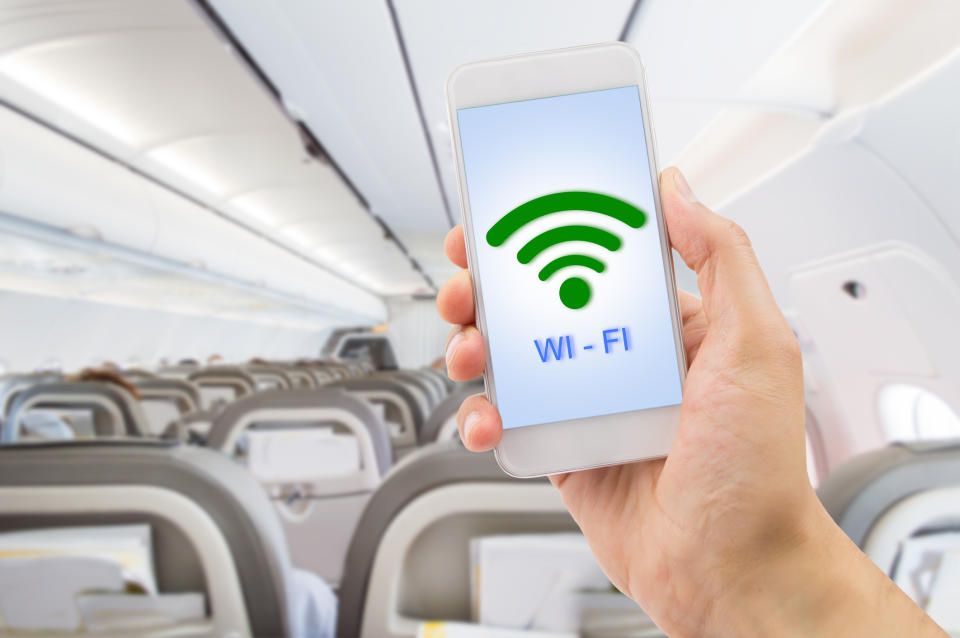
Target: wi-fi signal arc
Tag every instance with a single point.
(575, 291)
(571, 260)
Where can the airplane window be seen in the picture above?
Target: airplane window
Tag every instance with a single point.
(911, 413)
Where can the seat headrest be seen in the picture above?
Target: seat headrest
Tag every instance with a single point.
(857, 493)
(220, 487)
(450, 404)
(78, 394)
(235, 374)
(435, 466)
(370, 384)
(262, 369)
(174, 388)
(235, 412)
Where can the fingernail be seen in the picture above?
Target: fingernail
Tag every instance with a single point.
(452, 346)
(468, 424)
(683, 187)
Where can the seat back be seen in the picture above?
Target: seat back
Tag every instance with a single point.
(409, 558)
(862, 491)
(306, 407)
(164, 400)
(319, 502)
(901, 506)
(427, 392)
(222, 382)
(115, 412)
(11, 384)
(213, 529)
(300, 376)
(269, 377)
(439, 422)
(400, 405)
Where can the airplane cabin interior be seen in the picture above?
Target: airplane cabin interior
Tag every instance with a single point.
(225, 404)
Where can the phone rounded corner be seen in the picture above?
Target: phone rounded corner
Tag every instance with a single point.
(506, 467)
(452, 79)
(629, 49)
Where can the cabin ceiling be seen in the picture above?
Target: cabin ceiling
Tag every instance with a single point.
(152, 85)
(745, 94)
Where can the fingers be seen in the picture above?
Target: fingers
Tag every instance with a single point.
(479, 423)
(733, 286)
(465, 354)
(689, 305)
(694, 323)
(455, 299)
(455, 247)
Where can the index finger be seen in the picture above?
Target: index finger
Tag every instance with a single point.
(455, 247)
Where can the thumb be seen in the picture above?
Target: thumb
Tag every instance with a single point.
(731, 282)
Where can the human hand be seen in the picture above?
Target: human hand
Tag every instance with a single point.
(697, 537)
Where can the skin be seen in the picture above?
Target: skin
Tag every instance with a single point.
(725, 536)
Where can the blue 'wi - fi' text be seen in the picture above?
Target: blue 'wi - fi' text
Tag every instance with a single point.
(564, 347)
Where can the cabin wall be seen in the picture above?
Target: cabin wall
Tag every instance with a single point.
(44, 330)
(416, 331)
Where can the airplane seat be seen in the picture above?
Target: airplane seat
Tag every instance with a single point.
(401, 407)
(179, 371)
(424, 389)
(442, 377)
(901, 506)
(220, 384)
(442, 424)
(95, 409)
(320, 453)
(213, 530)
(11, 384)
(192, 427)
(409, 558)
(269, 376)
(137, 374)
(300, 377)
(164, 400)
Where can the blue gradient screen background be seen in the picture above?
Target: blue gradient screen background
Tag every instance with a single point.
(592, 141)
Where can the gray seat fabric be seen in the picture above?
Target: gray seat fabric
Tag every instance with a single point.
(261, 370)
(234, 376)
(137, 374)
(228, 494)
(12, 384)
(432, 467)
(362, 384)
(415, 379)
(134, 421)
(857, 493)
(232, 414)
(175, 389)
(181, 430)
(448, 407)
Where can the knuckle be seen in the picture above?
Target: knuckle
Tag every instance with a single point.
(737, 236)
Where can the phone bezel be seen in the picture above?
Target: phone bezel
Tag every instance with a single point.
(576, 444)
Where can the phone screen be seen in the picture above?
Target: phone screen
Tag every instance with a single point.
(569, 263)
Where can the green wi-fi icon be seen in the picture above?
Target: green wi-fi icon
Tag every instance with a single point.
(575, 291)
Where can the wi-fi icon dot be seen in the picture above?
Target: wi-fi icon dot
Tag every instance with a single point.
(575, 292)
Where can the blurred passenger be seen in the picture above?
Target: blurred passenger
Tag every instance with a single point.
(215, 359)
(104, 375)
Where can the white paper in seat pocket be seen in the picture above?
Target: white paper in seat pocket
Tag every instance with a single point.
(301, 456)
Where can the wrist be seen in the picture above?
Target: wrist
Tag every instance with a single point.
(818, 583)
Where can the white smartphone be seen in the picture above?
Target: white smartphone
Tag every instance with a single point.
(571, 266)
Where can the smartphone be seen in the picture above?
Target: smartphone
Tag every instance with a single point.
(569, 256)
